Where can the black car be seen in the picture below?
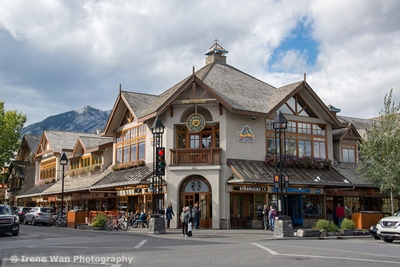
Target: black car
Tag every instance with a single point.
(373, 233)
(21, 212)
(9, 220)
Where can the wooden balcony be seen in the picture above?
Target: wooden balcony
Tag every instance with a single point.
(195, 156)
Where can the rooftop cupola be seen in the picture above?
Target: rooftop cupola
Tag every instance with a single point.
(216, 53)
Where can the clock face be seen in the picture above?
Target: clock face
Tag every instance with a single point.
(196, 122)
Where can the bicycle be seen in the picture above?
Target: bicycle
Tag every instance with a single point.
(118, 223)
(59, 221)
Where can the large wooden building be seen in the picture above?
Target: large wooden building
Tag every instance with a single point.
(220, 147)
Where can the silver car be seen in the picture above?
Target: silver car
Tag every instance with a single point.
(388, 228)
(39, 215)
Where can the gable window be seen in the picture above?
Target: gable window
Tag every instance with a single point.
(349, 153)
(302, 139)
(48, 169)
(130, 144)
(297, 106)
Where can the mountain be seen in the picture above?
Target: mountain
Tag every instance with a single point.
(86, 120)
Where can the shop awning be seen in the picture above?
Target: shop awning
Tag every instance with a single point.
(76, 183)
(36, 191)
(248, 171)
(134, 176)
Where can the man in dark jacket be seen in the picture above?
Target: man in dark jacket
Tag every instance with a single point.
(196, 216)
(265, 217)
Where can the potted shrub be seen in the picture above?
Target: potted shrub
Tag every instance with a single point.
(347, 227)
(327, 226)
(99, 221)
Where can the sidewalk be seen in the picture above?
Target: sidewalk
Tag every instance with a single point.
(233, 234)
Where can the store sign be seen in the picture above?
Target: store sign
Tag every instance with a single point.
(196, 186)
(293, 190)
(245, 135)
(248, 189)
(369, 192)
(343, 192)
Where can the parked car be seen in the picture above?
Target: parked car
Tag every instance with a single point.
(9, 220)
(388, 228)
(21, 212)
(373, 233)
(39, 215)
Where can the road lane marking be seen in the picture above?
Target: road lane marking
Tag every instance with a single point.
(321, 257)
(140, 244)
(266, 249)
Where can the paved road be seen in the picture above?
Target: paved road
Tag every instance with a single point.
(49, 246)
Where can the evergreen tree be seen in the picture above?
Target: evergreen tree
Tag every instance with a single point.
(379, 161)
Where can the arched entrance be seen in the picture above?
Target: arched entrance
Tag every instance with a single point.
(197, 189)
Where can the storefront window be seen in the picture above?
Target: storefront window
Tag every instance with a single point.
(258, 205)
(387, 207)
(351, 204)
(312, 206)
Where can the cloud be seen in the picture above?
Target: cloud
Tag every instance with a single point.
(63, 55)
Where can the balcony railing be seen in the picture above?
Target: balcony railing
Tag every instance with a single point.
(191, 156)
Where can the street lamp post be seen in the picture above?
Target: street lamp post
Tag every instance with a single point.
(157, 129)
(63, 162)
(283, 226)
(280, 125)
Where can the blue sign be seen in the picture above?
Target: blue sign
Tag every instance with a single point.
(294, 190)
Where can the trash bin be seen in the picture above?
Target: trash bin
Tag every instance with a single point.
(75, 217)
(365, 219)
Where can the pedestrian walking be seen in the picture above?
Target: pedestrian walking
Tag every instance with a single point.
(196, 216)
(265, 213)
(188, 219)
(183, 221)
(271, 216)
(340, 214)
(169, 213)
(189, 232)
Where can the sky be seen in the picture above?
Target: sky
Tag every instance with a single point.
(57, 56)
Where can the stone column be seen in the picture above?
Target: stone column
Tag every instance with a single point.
(283, 226)
(157, 224)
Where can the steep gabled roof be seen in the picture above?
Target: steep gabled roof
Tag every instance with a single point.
(94, 141)
(350, 132)
(32, 141)
(235, 90)
(361, 125)
(60, 141)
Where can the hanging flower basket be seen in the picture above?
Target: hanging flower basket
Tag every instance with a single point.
(300, 162)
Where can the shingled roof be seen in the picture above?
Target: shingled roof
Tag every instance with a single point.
(240, 90)
(134, 176)
(60, 140)
(36, 190)
(94, 141)
(32, 141)
(76, 183)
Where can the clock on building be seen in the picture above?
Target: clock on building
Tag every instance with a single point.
(196, 122)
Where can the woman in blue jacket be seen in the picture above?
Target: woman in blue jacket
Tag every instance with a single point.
(169, 213)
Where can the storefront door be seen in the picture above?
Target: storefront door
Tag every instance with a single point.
(296, 209)
(196, 190)
(203, 201)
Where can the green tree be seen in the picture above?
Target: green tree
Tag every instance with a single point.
(380, 151)
(11, 122)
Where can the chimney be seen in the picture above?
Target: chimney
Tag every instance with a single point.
(334, 110)
(216, 54)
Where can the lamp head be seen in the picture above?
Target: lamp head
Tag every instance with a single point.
(279, 122)
(63, 159)
(157, 127)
